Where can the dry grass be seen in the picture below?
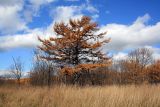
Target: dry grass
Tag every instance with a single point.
(67, 96)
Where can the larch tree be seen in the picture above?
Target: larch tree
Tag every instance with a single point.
(76, 46)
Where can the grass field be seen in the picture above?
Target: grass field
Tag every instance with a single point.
(68, 96)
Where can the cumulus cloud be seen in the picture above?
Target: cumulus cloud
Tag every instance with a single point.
(33, 8)
(10, 19)
(36, 4)
(91, 8)
(15, 14)
(25, 40)
(142, 19)
(28, 40)
(138, 34)
(64, 13)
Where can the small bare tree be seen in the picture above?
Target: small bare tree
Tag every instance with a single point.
(137, 62)
(43, 71)
(16, 69)
(141, 56)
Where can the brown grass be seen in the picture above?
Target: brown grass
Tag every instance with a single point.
(68, 96)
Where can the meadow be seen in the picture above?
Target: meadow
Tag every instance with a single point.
(74, 96)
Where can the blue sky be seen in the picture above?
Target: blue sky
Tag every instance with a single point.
(130, 24)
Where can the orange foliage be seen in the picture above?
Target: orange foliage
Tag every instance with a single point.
(154, 72)
(81, 67)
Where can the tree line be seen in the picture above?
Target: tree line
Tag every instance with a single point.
(138, 67)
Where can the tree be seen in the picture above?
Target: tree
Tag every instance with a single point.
(42, 71)
(137, 62)
(154, 72)
(16, 69)
(76, 46)
(141, 56)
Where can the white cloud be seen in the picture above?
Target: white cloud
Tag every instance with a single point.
(15, 14)
(91, 8)
(143, 19)
(64, 13)
(119, 56)
(10, 19)
(4, 73)
(29, 40)
(37, 3)
(25, 40)
(156, 51)
(32, 10)
(138, 34)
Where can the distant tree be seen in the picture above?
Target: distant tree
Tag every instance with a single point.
(141, 57)
(2, 80)
(136, 63)
(76, 46)
(16, 69)
(42, 71)
(154, 72)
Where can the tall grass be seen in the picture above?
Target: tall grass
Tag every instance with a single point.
(70, 96)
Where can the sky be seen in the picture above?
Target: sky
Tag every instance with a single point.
(130, 24)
